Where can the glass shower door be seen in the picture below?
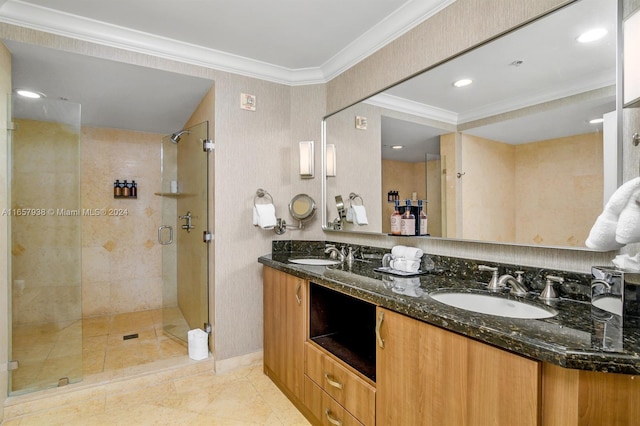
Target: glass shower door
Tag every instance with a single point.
(185, 267)
(45, 243)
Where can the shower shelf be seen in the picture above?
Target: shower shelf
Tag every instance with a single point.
(129, 197)
(172, 194)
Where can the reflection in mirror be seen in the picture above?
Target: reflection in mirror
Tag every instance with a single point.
(514, 157)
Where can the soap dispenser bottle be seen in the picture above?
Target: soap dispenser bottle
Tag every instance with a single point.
(408, 221)
(423, 218)
(395, 220)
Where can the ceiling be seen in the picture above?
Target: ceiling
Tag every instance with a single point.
(285, 41)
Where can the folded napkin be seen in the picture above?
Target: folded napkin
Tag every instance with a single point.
(603, 233)
(264, 216)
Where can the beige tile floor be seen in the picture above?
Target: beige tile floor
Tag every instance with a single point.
(92, 346)
(242, 397)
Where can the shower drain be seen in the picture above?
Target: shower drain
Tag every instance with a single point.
(130, 336)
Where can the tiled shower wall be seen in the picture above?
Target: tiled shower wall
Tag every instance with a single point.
(121, 258)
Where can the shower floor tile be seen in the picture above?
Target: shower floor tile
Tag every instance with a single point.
(92, 346)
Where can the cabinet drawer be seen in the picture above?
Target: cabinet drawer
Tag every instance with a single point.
(326, 410)
(349, 390)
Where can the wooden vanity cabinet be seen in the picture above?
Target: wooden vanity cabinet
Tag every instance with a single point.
(430, 376)
(284, 333)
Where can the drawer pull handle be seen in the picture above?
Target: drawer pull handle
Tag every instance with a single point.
(378, 325)
(332, 419)
(333, 382)
(298, 298)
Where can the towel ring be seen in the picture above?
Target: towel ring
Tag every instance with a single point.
(261, 194)
(353, 196)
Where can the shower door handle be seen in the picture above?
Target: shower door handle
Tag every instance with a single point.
(160, 240)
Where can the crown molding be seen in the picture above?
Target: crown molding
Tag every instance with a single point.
(23, 14)
(395, 103)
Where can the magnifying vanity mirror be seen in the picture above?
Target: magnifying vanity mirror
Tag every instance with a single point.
(525, 153)
(302, 207)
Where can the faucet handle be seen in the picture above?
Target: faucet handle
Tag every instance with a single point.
(519, 276)
(549, 292)
(493, 283)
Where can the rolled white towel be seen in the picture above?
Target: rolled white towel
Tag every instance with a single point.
(628, 228)
(359, 215)
(625, 261)
(603, 233)
(264, 216)
(398, 251)
(413, 253)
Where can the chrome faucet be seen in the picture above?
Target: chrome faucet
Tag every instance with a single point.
(493, 283)
(334, 253)
(517, 284)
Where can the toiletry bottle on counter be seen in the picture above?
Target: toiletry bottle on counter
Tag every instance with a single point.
(423, 218)
(408, 221)
(395, 220)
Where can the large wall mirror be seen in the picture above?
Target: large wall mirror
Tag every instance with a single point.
(525, 154)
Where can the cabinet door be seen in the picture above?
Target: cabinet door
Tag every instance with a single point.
(430, 376)
(284, 301)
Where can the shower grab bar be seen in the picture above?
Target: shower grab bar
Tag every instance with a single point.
(170, 228)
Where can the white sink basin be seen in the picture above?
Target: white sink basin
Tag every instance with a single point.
(609, 304)
(492, 305)
(314, 261)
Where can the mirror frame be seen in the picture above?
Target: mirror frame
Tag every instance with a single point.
(618, 109)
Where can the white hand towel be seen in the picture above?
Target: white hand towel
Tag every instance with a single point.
(359, 215)
(264, 216)
(413, 253)
(628, 229)
(349, 217)
(398, 251)
(603, 232)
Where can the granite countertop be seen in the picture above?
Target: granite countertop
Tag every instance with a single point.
(580, 336)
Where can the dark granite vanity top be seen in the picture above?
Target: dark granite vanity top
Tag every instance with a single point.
(580, 336)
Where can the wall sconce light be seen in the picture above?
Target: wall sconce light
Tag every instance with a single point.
(331, 159)
(306, 159)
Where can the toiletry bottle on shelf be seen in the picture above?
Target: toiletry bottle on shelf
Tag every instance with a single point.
(423, 218)
(395, 220)
(126, 189)
(408, 221)
(134, 188)
(116, 188)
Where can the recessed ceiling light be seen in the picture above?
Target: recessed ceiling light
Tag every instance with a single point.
(596, 121)
(29, 94)
(463, 82)
(397, 146)
(592, 35)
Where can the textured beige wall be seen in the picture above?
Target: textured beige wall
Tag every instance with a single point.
(448, 150)
(358, 164)
(5, 91)
(566, 174)
(488, 190)
(45, 175)
(121, 258)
